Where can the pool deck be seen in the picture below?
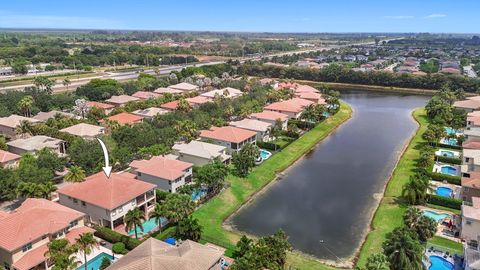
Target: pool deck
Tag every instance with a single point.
(442, 230)
(456, 154)
(456, 189)
(95, 252)
(437, 168)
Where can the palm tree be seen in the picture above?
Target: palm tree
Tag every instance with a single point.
(66, 82)
(86, 242)
(61, 254)
(25, 104)
(158, 214)
(47, 189)
(411, 217)
(415, 191)
(189, 228)
(183, 105)
(44, 83)
(25, 127)
(403, 250)
(75, 174)
(133, 219)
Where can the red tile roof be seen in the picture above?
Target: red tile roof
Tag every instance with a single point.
(172, 105)
(228, 134)
(108, 193)
(125, 118)
(468, 103)
(32, 258)
(7, 156)
(306, 89)
(73, 234)
(161, 167)
(471, 145)
(474, 119)
(32, 220)
(100, 105)
(269, 115)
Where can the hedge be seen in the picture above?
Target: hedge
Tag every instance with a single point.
(444, 201)
(456, 147)
(115, 237)
(449, 160)
(455, 180)
(269, 146)
(302, 124)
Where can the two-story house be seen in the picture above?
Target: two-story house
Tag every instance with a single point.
(167, 174)
(26, 232)
(260, 127)
(231, 137)
(200, 153)
(36, 143)
(471, 220)
(272, 118)
(8, 125)
(105, 200)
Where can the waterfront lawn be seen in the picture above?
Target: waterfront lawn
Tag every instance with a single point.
(213, 213)
(390, 211)
(445, 244)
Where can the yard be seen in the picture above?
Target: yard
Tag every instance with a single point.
(213, 213)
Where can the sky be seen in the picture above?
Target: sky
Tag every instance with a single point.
(439, 16)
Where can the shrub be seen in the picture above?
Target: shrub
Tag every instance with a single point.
(269, 146)
(119, 248)
(302, 124)
(444, 201)
(455, 180)
(449, 160)
(455, 147)
(114, 237)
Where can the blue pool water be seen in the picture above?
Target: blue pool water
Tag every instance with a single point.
(94, 264)
(197, 194)
(446, 153)
(148, 226)
(450, 131)
(439, 263)
(450, 141)
(449, 170)
(434, 215)
(326, 114)
(265, 154)
(444, 192)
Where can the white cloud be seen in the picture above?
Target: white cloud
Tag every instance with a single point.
(433, 16)
(399, 17)
(12, 20)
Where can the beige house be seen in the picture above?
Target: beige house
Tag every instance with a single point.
(232, 138)
(471, 220)
(105, 201)
(184, 87)
(469, 105)
(119, 101)
(9, 160)
(44, 116)
(271, 117)
(36, 143)
(151, 112)
(200, 153)
(85, 131)
(8, 125)
(154, 254)
(227, 92)
(261, 128)
(165, 173)
(470, 186)
(26, 232)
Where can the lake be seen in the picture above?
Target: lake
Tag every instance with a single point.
(325, 201)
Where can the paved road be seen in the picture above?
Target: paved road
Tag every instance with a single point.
(130, 75)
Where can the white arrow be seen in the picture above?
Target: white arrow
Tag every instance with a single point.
(107, 169)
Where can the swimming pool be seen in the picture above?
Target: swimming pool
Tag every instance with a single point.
(434, 215)
(447, 153)
(94, 264)
(450, 131)
(197, 194)
(450, 141)
(265, 154)
(326, 114)
(449, 170)
(439, 263)
(444, 192)
(148, 226)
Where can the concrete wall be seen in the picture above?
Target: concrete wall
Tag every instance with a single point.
(165, 184)
(8, 131)
(468, 193)
(470, 229)
(198, 161)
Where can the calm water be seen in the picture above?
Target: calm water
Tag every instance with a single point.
(325, 201)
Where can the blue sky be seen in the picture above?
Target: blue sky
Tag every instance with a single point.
(247, 15)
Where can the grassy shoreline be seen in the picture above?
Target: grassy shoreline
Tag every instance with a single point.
(215, 212)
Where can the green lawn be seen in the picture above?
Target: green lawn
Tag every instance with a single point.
(446, 245)
(390, 211)
(212, 214)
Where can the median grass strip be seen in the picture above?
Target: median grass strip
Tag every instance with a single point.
(212, 214)
(390, 210)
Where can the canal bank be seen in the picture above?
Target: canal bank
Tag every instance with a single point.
(325, 202)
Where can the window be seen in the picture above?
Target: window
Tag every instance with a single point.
(75, 201)
(467, 159)
(6, 266)
(73, 223)
(468, 222)
(44, 236)
(84, 204)
(27, 247)
(139, 173)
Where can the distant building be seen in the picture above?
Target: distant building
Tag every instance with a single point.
(106, 108)
(184, 87)
(85, 131)
(44, 116)
(9, 160)
(8, 125)
(36, 143)
(120, 101)
(125, 118)
(228, 92)
(145, 95)
(151, 112)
